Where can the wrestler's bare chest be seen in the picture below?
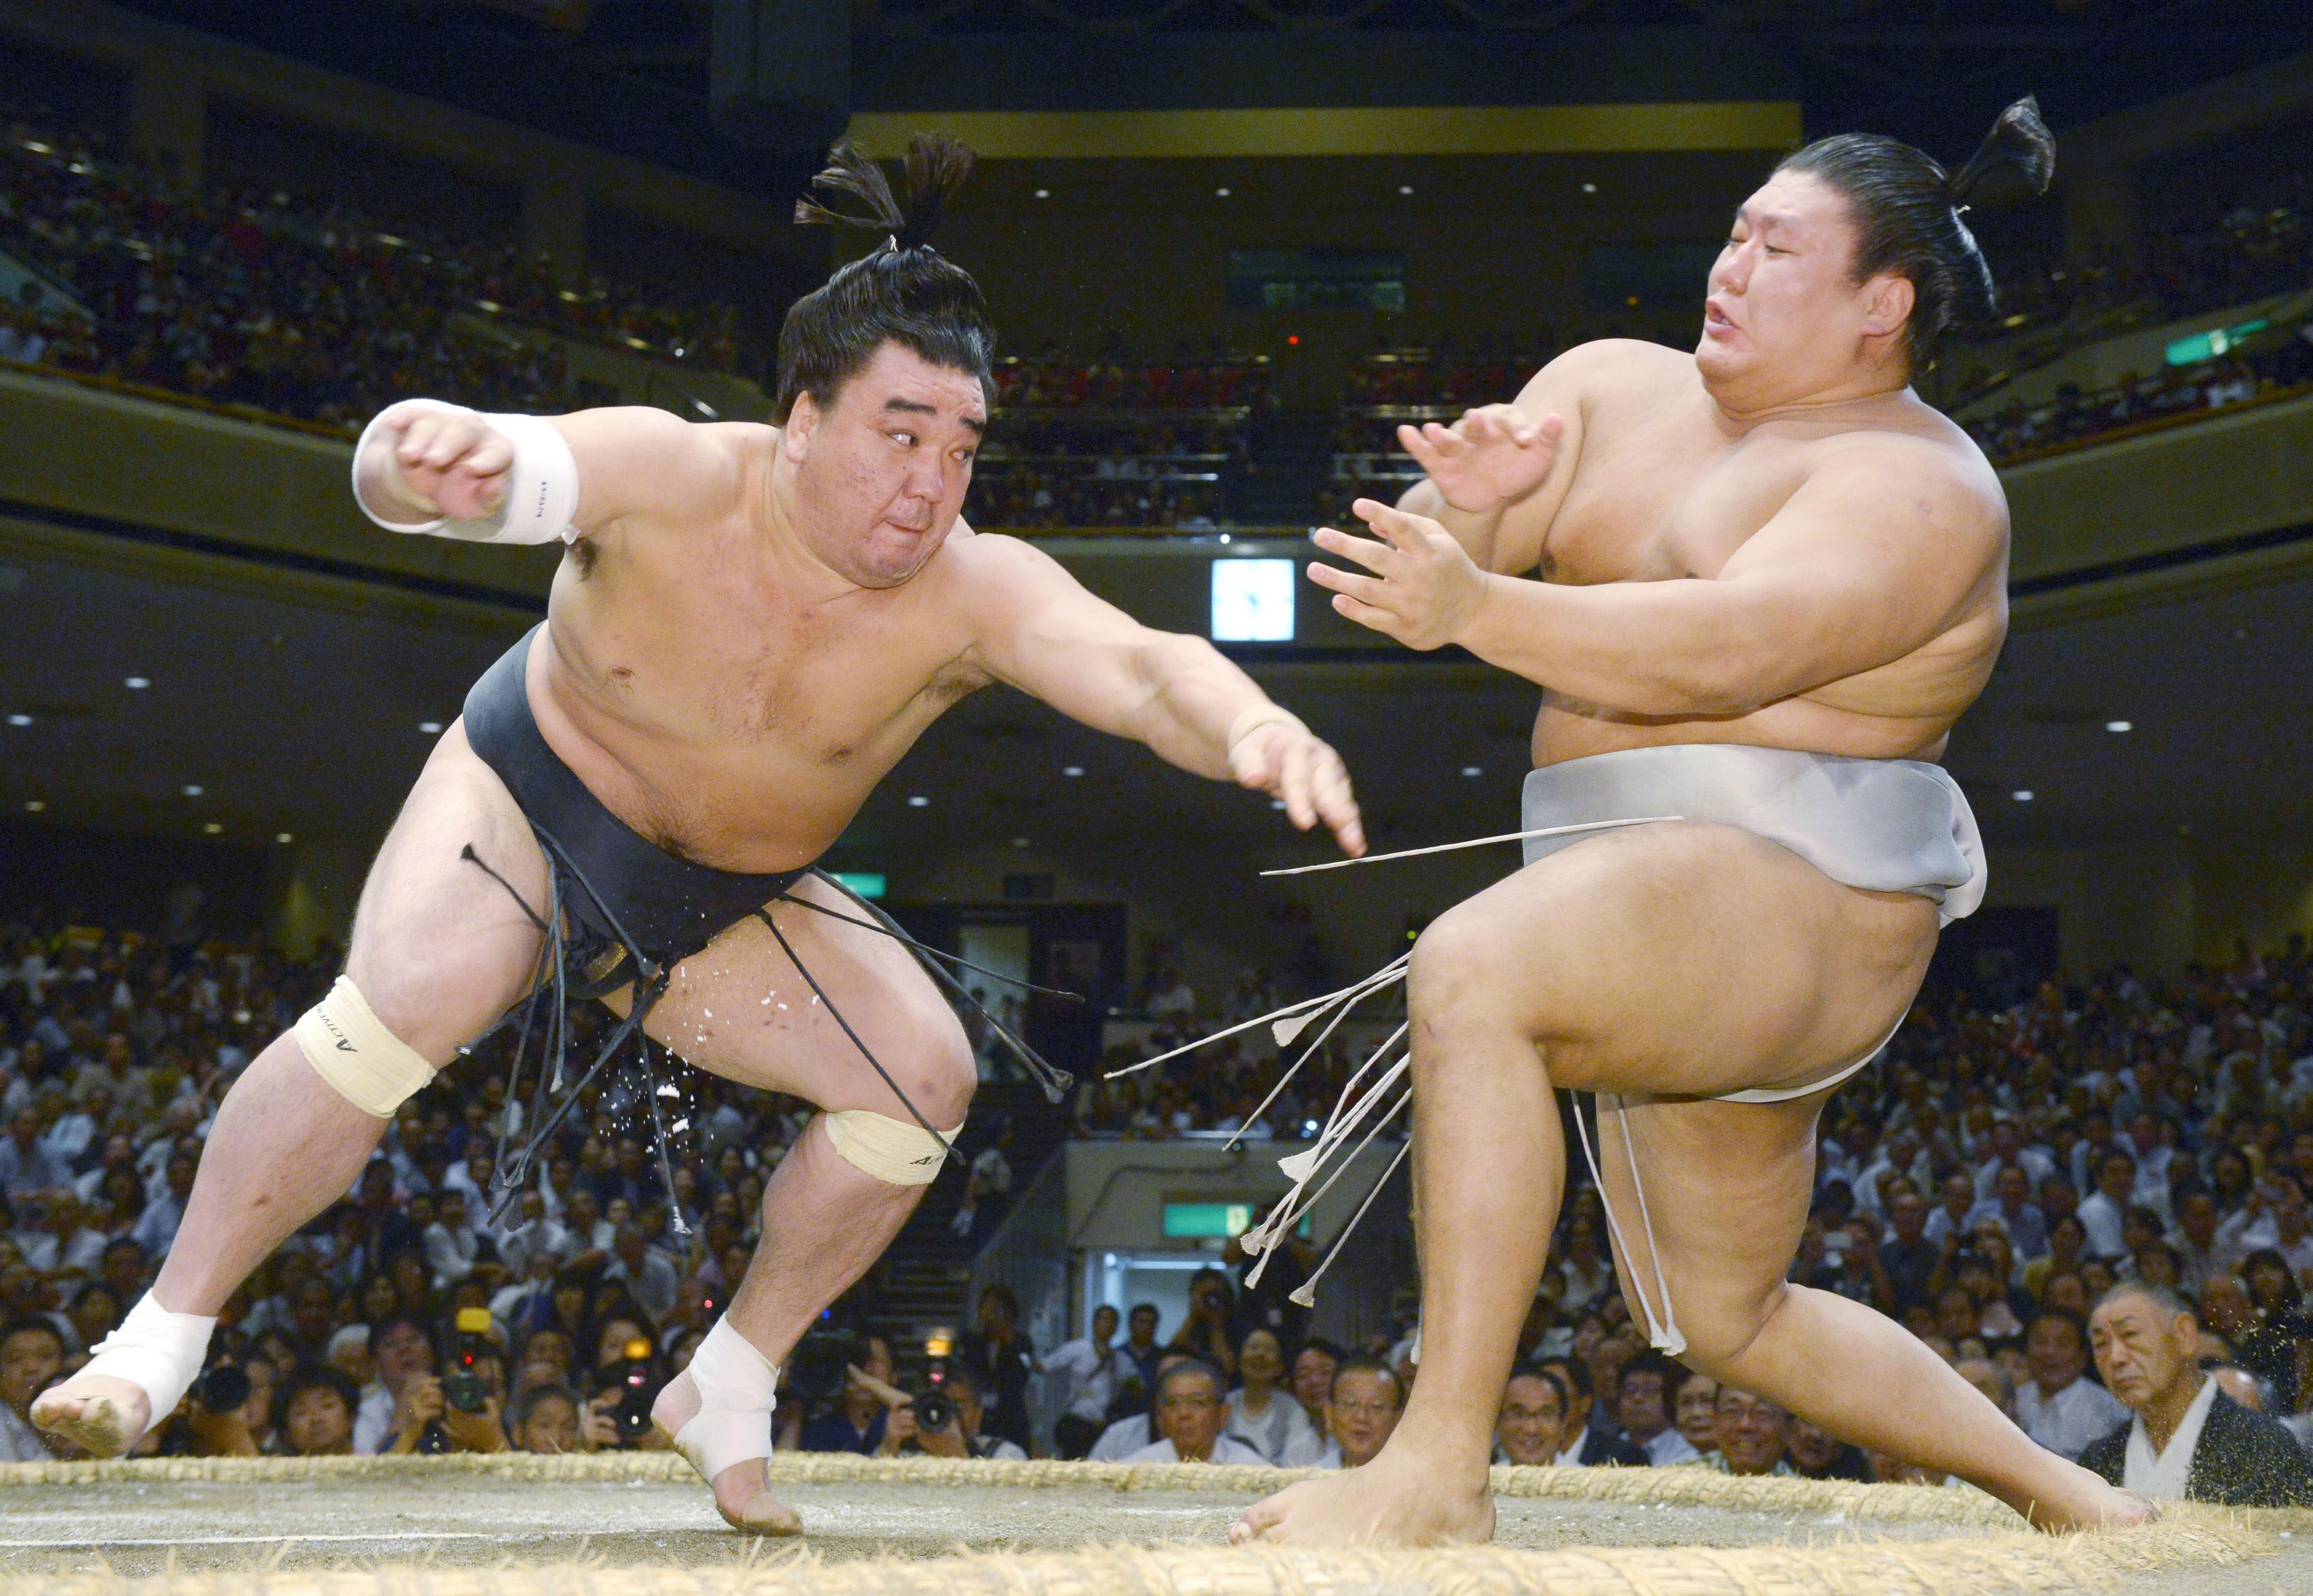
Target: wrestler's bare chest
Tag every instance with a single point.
(729, 721)
(1665, 487)
(1662, 492)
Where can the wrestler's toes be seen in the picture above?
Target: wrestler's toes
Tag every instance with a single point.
(100, 1423)
(1254, 1523)
(743, 1497)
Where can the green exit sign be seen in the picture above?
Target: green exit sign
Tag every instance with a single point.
(1207, 1221)
(2209, 345)
(867, 884)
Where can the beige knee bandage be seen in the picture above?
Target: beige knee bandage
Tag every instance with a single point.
(372, 1068)
(898, 1151)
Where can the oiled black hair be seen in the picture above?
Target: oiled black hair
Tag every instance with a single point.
(1908, 215)
(905, 293)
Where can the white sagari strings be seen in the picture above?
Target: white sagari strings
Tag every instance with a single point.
(1353, 1107)
(1547, 831)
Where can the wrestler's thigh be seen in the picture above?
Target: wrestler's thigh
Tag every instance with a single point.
(741, 1009)
(1726, 1189)
(439, 949)
(1681, 957)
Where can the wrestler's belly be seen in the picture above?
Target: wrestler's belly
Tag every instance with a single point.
(754, 808)
(1567, 728)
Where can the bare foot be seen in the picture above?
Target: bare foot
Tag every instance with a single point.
(743, 1492)
(2086, 1501)
(1395, 1500)
(101, 1415)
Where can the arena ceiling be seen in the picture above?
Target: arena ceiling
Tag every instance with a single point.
(301, 710)
(632, 74)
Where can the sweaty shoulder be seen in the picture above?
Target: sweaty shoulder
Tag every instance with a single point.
(1921, 451)
(1605, 367)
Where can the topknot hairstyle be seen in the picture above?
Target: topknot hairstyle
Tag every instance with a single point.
(905, 293)
(1908, 211)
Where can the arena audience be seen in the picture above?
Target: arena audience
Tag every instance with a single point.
(2184, 1109)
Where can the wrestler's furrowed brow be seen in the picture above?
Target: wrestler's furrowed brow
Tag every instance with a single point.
(916, 407)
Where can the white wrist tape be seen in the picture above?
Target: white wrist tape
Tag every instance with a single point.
(899, 1151)
(541, 491)
(350, 1048)
(158, 1351)
(738, 1387)
(1260, 714)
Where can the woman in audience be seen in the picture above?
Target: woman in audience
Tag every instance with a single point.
(1264, 1416)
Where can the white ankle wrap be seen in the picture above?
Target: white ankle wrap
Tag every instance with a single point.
(737, 1389)
(159, 1352)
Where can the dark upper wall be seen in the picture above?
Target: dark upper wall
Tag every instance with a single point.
(1186, 71)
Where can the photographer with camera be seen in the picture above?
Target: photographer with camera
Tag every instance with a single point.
(944, 1422)
(619, 1418)
(861, 1416)
(458, 1412)
(216, 1412)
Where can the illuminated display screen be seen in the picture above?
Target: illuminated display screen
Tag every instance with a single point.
(867, 884)
(1253, 601)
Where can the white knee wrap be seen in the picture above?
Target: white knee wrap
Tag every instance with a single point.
(350, 1048)
(898, 1151)
(737, 1389)
(158, 1351)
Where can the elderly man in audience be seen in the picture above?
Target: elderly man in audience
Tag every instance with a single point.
(1531, 1428)
(2188, 1440)
(1751, 1434)
(1192, 1420)
(2060, 1408)
(1367, 1398)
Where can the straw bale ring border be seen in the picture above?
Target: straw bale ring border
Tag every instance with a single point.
(1987, 1555)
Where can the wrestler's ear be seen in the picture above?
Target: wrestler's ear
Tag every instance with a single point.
(1887, 304)
(804, 419)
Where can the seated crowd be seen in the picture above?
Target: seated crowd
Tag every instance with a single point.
(299, 308)
(1114, 443)
(2215, 385)
(2092, 1199)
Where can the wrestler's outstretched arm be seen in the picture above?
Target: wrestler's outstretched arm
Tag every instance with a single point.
(1883, 549)
(420, 460)
(1039, 630)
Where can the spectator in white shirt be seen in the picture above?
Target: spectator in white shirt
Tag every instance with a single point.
(1950, 1216)
(452, 1244)
(1090, 1369)
(27, 1163)
(31, 1357)
(1191, 1420)
(2058, 1407)
(650, 1278)
(2008, 1151)
(2103, 1211)
(156, 1229)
